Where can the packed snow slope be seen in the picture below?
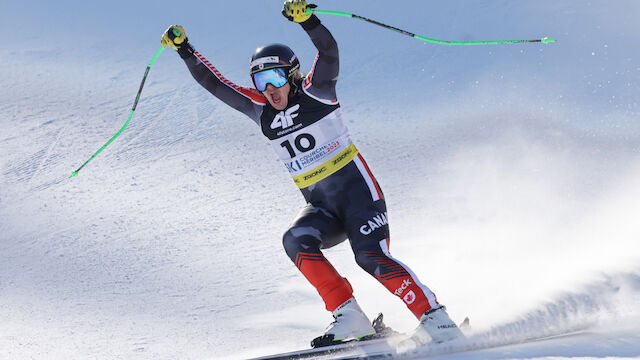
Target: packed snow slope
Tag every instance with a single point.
(511, 174)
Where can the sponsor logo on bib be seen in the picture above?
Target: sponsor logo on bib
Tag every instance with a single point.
(284, 119)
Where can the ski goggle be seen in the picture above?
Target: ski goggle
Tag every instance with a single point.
(275, 77)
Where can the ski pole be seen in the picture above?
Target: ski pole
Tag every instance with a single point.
(133, 109)
(544, 40)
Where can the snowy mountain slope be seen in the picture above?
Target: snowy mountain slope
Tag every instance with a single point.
(511, 175)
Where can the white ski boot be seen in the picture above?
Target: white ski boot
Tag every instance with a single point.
(350, 323)
(436, 326)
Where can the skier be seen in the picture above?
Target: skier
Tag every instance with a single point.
(301, 117)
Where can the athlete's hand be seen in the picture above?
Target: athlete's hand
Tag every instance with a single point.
(174, 36)
(297, 10)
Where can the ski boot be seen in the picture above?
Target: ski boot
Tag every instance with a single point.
(436, 326)
(350, 324)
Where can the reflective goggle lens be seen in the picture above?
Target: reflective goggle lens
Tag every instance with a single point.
(275, 77)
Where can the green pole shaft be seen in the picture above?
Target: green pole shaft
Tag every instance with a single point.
(544, 40)
(133, 109)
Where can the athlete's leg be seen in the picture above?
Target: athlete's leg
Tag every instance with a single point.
(394, 275)
(313, 229)
(367, 227)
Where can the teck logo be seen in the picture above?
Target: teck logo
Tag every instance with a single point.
(403, 287)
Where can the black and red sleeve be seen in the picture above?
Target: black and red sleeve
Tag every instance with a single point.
(321, 80)
(247, 100)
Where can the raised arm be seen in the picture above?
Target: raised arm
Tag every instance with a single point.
(247, 100)
(323, 76)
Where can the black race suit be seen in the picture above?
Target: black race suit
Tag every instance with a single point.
(343, 198)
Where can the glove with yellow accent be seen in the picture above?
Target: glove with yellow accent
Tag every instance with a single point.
(174, 36)
(297, 10)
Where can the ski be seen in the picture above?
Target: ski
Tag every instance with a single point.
(381, 342)
(391, 344)
(385, 348)
(347, 349)
(382, 345)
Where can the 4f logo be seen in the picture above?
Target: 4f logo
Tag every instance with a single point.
(284, 119)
